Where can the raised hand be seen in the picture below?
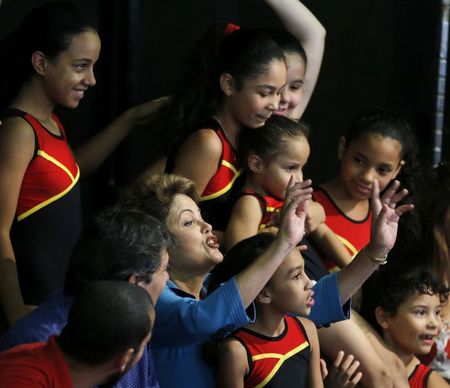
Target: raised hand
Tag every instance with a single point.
(386, 215)
(293, 214)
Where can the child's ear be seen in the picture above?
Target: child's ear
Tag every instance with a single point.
(263, 296)
(399, 168)
(227, 84)
(38, 62)
(382, 317)
(341, 147)
(255, 164)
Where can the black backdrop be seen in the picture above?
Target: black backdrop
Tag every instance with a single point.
(378, 52)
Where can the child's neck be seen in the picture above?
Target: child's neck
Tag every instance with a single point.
(252, 183)
(355, 209)
(268, 322)
(229, 125)
(409, 359)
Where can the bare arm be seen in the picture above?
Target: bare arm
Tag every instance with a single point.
(315, 375)
(94, 152)
(301, 23)
(16, 151)
(244, 220)
(383, 234)
(328, 244)
(198, 158)
(436, 381)
(291, 231)
(232, 365)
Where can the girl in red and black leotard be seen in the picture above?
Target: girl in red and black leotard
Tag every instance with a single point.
(50, 61)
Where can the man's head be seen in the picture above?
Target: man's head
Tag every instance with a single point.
(121, 243)
(109, 325)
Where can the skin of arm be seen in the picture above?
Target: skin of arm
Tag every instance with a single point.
(315, 217)
(198, 158)
(436, 381)
(244, 220)
(301, 23)
(291, 231)
(93, 153)
(315, 375)
(328, 244)
(232, 364)
(16, 151)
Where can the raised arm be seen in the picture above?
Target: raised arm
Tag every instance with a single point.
(301, 23)
(16, 151)
(291, 231)
(94, 152)
(386, 215)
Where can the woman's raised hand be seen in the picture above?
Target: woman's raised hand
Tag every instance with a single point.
(386, 216)
(293, 214)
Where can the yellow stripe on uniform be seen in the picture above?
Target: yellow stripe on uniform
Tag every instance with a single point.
(227, 187)
(280, 362)
(74, 180)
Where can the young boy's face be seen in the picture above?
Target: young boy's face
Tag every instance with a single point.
(415, 326)
(290, 288)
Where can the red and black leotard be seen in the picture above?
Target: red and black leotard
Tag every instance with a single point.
(281, 361)
(217, 200)
(419, 377)
(48, 214)
(270, 206)
(355, 235)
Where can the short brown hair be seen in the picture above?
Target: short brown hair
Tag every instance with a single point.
(154, 193)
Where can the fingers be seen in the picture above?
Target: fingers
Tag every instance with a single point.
(346, 369)
(323, 369)
(404, 209)
(302, 247)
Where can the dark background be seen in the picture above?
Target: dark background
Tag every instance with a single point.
(378, 53)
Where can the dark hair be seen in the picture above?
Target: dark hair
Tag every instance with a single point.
(106, 319)
(243, 54)
(395, 126)
(269, 140)
(238, 258)
(118, 243)
(154, 194)
(48, 28)
(288, 43)
(396, 282)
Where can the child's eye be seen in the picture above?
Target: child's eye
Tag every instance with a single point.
(420, 312)
(358, 160)
(81, 66)
(384, 171)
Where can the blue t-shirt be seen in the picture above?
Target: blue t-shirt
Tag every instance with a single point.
(50, 317)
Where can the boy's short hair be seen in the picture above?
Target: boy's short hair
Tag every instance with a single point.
(238, 258)
(119, 242)
(395, 283)
(106, 319)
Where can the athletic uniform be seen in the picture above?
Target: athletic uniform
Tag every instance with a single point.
(220, 193)
(419, 377)
(354, 234)
(281, 361)
(48, 216)
(270, 208)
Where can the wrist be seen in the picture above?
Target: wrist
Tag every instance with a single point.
(375, 256)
